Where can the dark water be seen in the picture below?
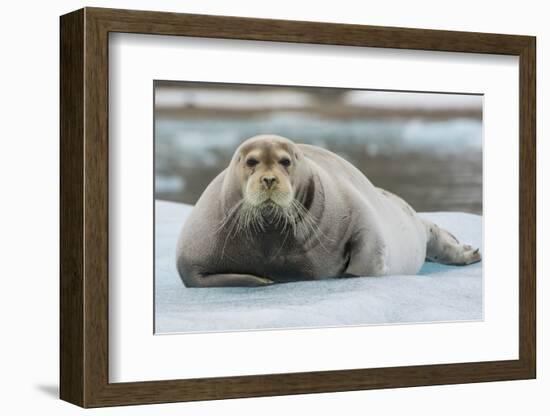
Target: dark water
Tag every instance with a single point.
(435, 165)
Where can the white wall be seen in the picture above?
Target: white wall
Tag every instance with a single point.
(29, 208)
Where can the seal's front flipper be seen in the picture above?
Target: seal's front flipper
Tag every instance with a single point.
(443, 247)
(367, 258)
(229, 279)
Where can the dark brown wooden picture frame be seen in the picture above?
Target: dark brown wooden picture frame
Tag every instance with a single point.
(84, 207)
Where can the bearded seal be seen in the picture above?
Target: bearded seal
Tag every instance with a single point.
(283, 212)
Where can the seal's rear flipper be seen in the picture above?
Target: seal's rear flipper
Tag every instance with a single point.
(443, 247)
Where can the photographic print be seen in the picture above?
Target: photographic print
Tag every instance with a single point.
(284, 207)
(329, 185)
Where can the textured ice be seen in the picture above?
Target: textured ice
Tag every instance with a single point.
(437, 293)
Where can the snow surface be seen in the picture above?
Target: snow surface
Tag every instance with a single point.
(437, 293)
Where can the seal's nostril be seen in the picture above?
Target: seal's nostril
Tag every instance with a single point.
(269, 181)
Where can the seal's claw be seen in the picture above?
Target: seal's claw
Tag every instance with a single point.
(265, 281)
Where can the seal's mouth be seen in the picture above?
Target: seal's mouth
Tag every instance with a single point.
(269, 205)
(275, 199)
(280, 194)
(271, 213)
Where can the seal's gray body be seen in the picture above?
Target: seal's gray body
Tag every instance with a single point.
(362, 231)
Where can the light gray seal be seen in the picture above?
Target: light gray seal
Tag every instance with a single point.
(283, 212)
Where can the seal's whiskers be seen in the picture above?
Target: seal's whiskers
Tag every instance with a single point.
(308, 223)
(249, 220)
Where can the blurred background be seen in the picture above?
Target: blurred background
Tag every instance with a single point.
(425, 147)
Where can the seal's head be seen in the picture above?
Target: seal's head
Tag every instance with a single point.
(267, 166)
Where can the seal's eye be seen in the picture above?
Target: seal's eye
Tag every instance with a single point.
(285, 162)
(251, 162)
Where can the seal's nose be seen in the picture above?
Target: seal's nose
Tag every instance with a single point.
(269, 181)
